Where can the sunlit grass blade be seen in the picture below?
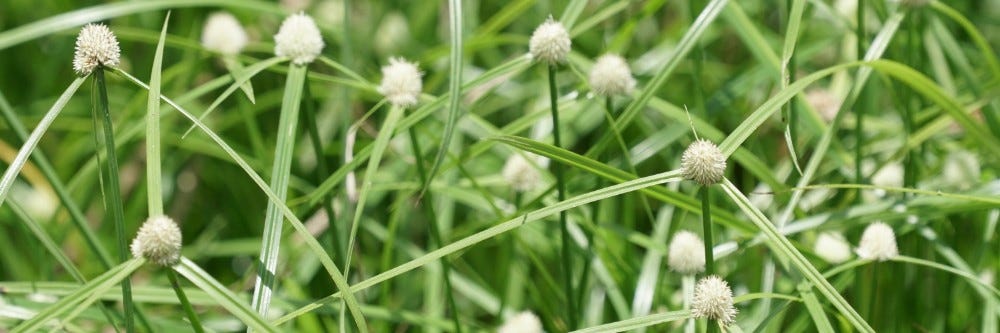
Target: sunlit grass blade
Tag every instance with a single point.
(234, 67)
(781, 246)
(454, 87)
(311, 242)
(99, 13)
(225, 298)
(240, 79)
(639, 322)
(280, 174)
(153, 174)
(81, 298)
(514, 223)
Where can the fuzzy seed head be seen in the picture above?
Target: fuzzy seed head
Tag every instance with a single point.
(159, 241)
(703, 162)
(223, 34)
(520, 174)
(878, 242)
(523, 322)
(298, 39)
(687, 253)
(611, 76)
(713, 300)
(832, 247)
(401, 83)
(95, 46)
(550, 42)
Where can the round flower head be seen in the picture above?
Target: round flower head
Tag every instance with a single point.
(832, 247)
(95, 46)
(159, 241)
(687, 253)
(611, 76)
(713, 300)
(550, 42)
(523, 322)
(223, 34)
(521, 175)
(401, 82)
(878, 242)
(298, 39)
(703, 162)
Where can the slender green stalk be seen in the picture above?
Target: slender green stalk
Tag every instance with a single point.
(859, 112)
(561, 193)
(111, 187)
(182, 297)
(432, 222)
(309, 116)
(706, 223)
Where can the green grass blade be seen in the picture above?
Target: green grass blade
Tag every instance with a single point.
(639, 322)
(240, 79)
(378, 148)
(616, 175)
(454, 87)
(90, 291)
(110, 180)
(975, 280)
(236, 69)
(781, 246)
(311, 242)
(98, 13)
(514, 223)
(977, 37)
(815, 310)
(29, 145)
(280, 174)
(225, 298)
(153, 174)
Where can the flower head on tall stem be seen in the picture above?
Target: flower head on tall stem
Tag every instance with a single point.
(703, 162)
(832, 247)
(520, 174)
(159, 241)
(713, 300)
(401, 83)
(611, 76)
(550, 42)
(298, 39)
(96, 46)
(522, 322)
(223, 34)
(878, 242)
(686, 253)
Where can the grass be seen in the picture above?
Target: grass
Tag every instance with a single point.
(436, 240)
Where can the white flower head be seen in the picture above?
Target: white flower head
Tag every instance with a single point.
(703, 162)
(522, 322)
(550, 42)
(95, 46)
(224, 34)
(401, 82)
(159, 241)
(520, 174)
(878, 242)
(298, 39)
(687, 253)
(832, 247)
(713, 300)
(611, 76)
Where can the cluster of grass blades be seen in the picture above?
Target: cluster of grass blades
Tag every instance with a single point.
(831, 118)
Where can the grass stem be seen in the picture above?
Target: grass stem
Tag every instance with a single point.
(561, 194)
(105, 138)
(182, 297)
(432, 222)
(312, 127)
